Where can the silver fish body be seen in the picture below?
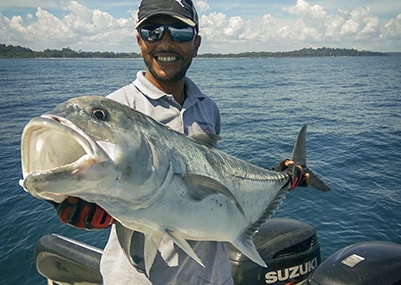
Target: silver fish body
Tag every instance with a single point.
(150, 178)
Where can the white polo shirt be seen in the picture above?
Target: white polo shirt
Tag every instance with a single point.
(172, 266)
(198, 114)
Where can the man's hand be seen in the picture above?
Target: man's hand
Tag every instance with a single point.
(300, 177)
(83, 215)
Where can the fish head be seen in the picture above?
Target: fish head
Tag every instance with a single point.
(83, 148)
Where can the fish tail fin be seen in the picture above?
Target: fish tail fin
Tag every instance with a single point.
(316, 182)
(299, 151)
(299, 157)
(244, 243)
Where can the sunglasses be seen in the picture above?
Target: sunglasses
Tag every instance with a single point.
(154, 33)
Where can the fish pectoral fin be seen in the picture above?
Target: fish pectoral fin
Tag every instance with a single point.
(124, 236)
(199, 187)
(184, 245)
(244, 243)
(151, 244)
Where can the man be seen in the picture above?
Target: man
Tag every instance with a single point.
(168, 40)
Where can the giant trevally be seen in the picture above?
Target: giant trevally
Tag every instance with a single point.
(150, 178)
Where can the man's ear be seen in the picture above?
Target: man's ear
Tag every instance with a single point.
(197, 43)
(139, 42)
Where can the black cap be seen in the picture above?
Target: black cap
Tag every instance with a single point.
(182, 10)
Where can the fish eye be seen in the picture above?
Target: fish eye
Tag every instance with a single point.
(100, 114)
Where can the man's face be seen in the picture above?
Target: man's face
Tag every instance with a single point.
(167, 60)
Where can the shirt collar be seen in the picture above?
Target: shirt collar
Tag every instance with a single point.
(151, 91)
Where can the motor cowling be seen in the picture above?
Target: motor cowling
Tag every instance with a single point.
(367, 263)
(290, 249)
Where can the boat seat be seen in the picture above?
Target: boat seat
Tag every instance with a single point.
(67, 262)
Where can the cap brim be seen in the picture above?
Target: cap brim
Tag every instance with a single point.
(187, 21)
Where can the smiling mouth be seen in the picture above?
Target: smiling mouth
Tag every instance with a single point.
(166, 59)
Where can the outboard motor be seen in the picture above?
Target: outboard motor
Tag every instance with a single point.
(367, 263)
(290, 249)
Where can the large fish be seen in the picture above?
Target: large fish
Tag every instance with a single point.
(150, 178)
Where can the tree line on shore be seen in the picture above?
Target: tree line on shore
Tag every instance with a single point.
(10, 51)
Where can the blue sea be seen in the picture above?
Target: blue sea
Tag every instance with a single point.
(352, 106)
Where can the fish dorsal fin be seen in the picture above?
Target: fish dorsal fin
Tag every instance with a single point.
(209, 140)
(184, 245)
(199, 187)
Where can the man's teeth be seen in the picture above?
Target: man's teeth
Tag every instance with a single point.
(167, 58)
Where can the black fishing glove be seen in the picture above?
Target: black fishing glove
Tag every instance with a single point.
(296, 172)
(81, 214)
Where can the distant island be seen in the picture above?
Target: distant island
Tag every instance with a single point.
(10, 51)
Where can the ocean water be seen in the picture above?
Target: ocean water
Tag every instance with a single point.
(352, 106)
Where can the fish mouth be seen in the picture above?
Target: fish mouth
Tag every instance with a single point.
(52, 144)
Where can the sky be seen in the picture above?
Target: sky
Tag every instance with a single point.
(226, 26)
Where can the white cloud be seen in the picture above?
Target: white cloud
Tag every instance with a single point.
(304, 10)
(234, 27)
(392, 27)
(81, 28)
(66, 23)
(306, 25)
(202, 6)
